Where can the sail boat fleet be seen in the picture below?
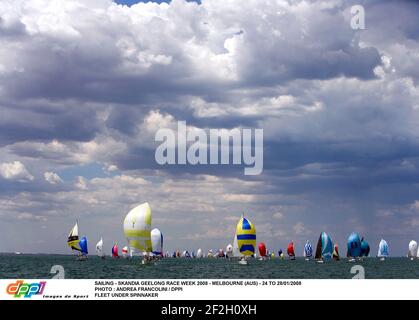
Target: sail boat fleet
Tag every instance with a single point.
(140, 238)
(146, 242)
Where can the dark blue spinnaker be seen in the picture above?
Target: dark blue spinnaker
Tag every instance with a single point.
(83, 245)
(354, 245)
(365, 248)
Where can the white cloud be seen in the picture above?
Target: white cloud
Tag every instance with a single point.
(300, 229)
(15, 171)
(278, 215)
(101, 148)
(121, 181)
(30, 217)
(112, 168)
(81, 183)
(277, 106)
(52, 177)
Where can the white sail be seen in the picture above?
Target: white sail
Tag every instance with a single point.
(413, 249)
(199, 253)
(99, 248)
(236, 251)
(383, 249)
(137, 228)
(229, 250)
(75, 231)
(157, 242)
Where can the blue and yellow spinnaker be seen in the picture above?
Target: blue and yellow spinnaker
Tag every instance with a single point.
(245, 237)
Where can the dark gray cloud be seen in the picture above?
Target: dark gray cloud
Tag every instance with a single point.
(62, 120)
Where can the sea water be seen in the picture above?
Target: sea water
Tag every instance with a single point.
(39, 267)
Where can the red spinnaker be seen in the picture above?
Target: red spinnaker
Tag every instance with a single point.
(262, 249)
(115, 251)
(290, 249)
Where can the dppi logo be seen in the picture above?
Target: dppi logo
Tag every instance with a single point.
(27, 290)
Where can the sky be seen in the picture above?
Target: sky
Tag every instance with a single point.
(85, 85)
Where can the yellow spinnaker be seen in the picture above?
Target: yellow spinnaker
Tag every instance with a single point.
(137, 227)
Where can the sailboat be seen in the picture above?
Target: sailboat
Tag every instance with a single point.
(413, 249)
(280, 254)
(199, 254)
(124, 252)
(245, 239)
(383, 250)
(236, 251)
(324, 249)
(115, 254)
(308, 250)
(185, 254)
(262, 251)
(73, 238)
(365, 248)
(229, 251)
(354, 247)
(73, 242)
(99, 249)
(335, 255)
(137, 229)
(83, 249)
(291, 251)
(157, 242)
